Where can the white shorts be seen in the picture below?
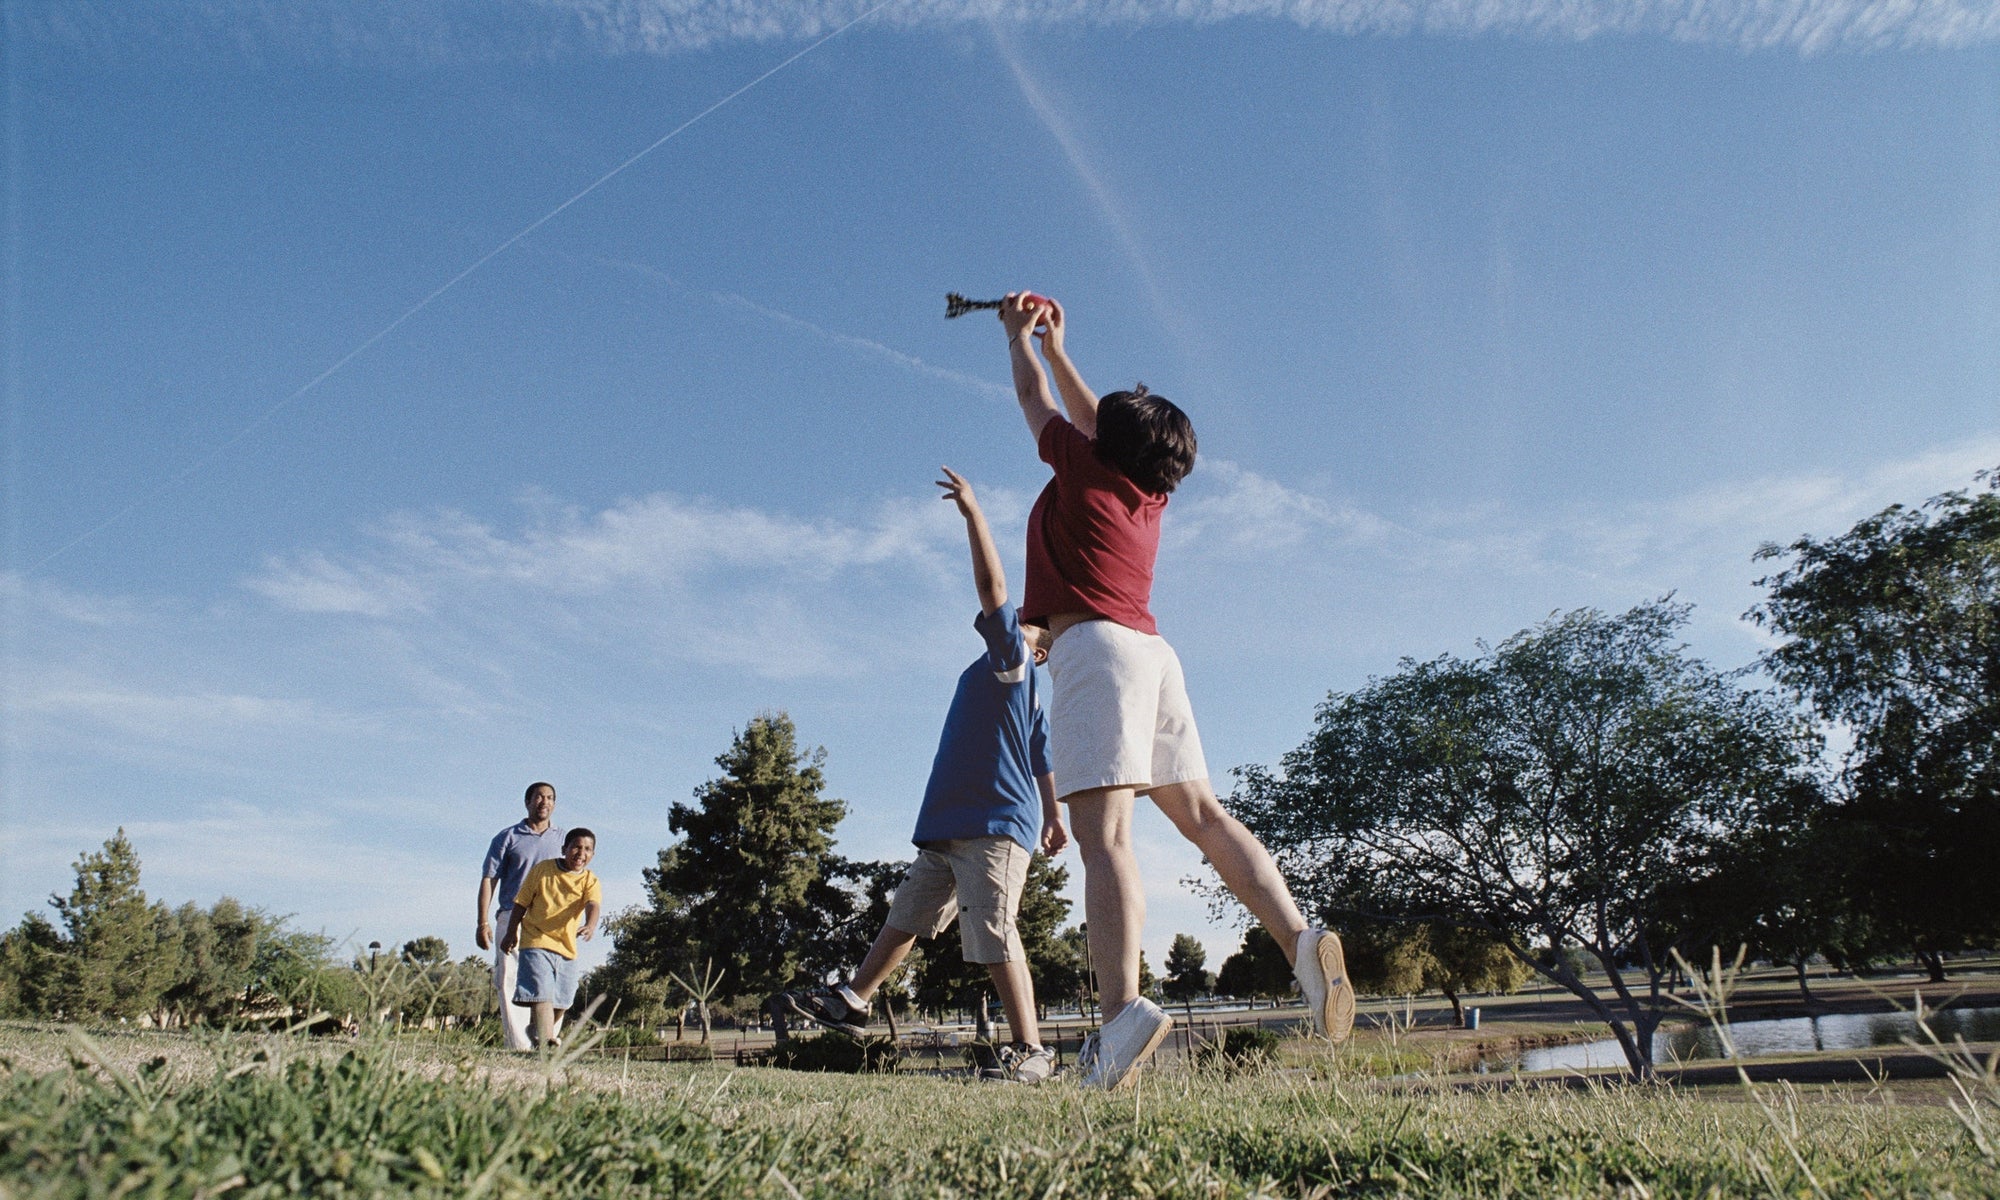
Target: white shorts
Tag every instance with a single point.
(1118, 712)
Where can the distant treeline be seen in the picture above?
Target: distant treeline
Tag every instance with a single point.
(116, 955)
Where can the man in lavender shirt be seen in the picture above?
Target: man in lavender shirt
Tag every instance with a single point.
(515, 850)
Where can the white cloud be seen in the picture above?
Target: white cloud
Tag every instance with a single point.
(543, 28)
(680, 578)
(1231, 510)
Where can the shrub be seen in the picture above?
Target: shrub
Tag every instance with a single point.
(836, 1052)
(1242, 1048)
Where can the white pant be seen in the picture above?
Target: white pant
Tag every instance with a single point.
(516, 1020)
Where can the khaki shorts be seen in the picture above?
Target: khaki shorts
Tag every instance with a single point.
(978, 880)
(1119, 714)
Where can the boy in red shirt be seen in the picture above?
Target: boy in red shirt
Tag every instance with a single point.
(1119, 718)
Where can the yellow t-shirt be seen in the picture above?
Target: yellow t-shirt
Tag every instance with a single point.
(554, 899)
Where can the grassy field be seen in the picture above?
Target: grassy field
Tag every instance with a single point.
(127, 1114)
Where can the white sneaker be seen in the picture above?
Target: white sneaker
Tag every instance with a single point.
(1021, 1063)
(1321, 970)
(1126, 1041)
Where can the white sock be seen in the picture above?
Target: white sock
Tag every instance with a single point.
(852, 1001)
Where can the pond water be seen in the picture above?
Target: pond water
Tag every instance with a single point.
(1791, 1035)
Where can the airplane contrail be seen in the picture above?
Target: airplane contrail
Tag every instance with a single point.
(264, 417)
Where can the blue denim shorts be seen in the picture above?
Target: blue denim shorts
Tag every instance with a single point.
(545, 977)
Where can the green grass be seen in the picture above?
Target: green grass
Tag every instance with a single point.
(151, 1115)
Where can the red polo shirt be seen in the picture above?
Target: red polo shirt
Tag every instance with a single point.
(1092, 537)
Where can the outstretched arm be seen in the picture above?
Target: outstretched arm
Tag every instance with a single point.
(986, 573)
(1020, 313)
(1077, 396)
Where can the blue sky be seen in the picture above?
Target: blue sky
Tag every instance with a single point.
(1482, 310)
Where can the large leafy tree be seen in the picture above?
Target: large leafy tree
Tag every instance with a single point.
(1893, 630)
(750, 886)
(1405, 960)
(1546, 793)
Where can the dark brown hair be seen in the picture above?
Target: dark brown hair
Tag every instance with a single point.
(1145, 436)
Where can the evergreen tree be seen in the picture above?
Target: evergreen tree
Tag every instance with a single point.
(218, 951)
(119, 955)
(32, 959)
(1258, 969)
(1187, 973)
(750, 884)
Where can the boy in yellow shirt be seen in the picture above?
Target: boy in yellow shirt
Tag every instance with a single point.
(558, 903)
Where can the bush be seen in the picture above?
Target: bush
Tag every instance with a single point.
(836, 1052)
(1242, 1048)
(621, 1036)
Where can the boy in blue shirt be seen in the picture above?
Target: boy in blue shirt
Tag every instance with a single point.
(990, 804)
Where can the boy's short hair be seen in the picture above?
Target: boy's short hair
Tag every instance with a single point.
(570, 838)
(1147, 437)
(534, 787)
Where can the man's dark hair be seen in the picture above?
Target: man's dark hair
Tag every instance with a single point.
(533, 787)
(569, 839)
(1145, 436)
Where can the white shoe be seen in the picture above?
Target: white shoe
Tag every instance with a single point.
(1321, 970)
(1126, 1041)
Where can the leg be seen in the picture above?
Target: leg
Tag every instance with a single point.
(545, 1022)
(1245, 866)
(513, 1017)
(1114, 903)
(891, 947)
(1318, 961)
(1017, 993)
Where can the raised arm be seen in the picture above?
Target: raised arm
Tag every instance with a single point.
(986, 573)
(1076, 394)
(1020, 314)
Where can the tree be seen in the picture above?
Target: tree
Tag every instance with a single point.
(1893, 629)
(750, 884)
(426, 951)
(118, 951)
(217, 957)
(1187, 974)
(1259, 970)
(1407, 960)
(31, 964)
(1546, 793)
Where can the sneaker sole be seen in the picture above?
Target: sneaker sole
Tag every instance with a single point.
(1142, 1058)
(857, 1032)
(1336, 1015)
